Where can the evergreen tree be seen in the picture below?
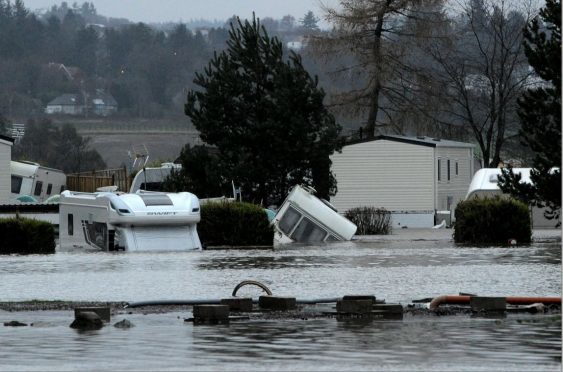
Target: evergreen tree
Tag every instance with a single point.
(265, 115)
(540, 115)
(309, 22)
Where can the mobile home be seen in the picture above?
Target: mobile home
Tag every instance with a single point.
(33, 179)
(5, 158)
(417, 179)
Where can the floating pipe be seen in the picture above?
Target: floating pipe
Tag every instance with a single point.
(464, 300)
(218, 302)
(251, 282)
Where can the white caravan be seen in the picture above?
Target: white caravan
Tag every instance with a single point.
(144, 221)
(304, 218)
(485, 184)
(150, 179)
(35, 180)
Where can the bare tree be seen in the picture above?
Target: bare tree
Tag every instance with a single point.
(367, 39)
(483, 66)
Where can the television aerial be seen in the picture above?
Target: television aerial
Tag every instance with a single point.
(139, 154)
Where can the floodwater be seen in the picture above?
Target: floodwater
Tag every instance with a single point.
(408, 265)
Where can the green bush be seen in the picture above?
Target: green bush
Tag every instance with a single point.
(234, 224)
(26, 236)
(492, 221)
(370, 220)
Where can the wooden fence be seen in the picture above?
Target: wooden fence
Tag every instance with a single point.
(90, 181)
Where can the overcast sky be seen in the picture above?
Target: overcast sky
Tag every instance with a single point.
(184, 10)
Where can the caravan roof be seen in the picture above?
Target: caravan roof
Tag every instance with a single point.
(485, 181)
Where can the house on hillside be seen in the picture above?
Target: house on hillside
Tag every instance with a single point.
(415, 178)
(5, 173)
(69, 104)
(103, 103)
(99, 103)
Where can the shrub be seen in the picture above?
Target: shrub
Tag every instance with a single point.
(492, 221)
(370, 220)
(26, 236)
(234, 224)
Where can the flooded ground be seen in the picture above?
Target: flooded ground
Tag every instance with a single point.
(408, 265)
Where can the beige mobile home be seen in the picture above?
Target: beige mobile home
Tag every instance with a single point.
(412, 177)
(5, 158)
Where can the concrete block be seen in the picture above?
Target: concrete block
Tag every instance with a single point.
(211, 313)
(385, 315)
(360, 297)
(103, 312)
(487, 303)
(241, 304)
(354, 306)
(388, 308)
(87, 320)
(277, 303)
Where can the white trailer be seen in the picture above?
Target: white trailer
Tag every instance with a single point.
(485, 184)
(35, 180)
(304, 218)
(144, 221)
(151, 179)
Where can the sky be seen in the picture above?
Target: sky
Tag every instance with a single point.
(184, 10)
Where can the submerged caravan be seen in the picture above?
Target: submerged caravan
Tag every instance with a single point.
(304, 218)
(144, 221)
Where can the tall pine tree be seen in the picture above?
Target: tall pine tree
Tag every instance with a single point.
(540, 115)
(265, 115)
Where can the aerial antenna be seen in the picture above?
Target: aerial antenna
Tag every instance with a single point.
(140, 156)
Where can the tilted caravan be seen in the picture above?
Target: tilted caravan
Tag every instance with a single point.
(305, 218)
(33, 179)
(144, 221)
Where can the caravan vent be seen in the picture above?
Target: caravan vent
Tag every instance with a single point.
(158, 199)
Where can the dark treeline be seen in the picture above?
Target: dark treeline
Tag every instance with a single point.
(430, 72)
(146, 70)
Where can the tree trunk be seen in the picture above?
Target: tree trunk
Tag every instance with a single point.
(374, 96)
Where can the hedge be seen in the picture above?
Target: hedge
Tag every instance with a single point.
(370, 220)
(26, 236)
(490, 221)
(234, 224)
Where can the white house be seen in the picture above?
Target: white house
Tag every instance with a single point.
(412, 177)
(5, 158)
(70, 104)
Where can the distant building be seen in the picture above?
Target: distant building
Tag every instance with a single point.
(412, 177)
(103, 104)
(69, 104)
(100, 103)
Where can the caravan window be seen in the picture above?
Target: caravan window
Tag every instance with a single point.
(289, 220)
(70, 222)
(49, 188)
(38, 188)
(16, 184)
(308, 232)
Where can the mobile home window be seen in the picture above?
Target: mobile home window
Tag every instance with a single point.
(70, 222)
(38, 188)
(456, 168)
(49, 188)
(448, 164)
(16, 184)
(439, 169)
